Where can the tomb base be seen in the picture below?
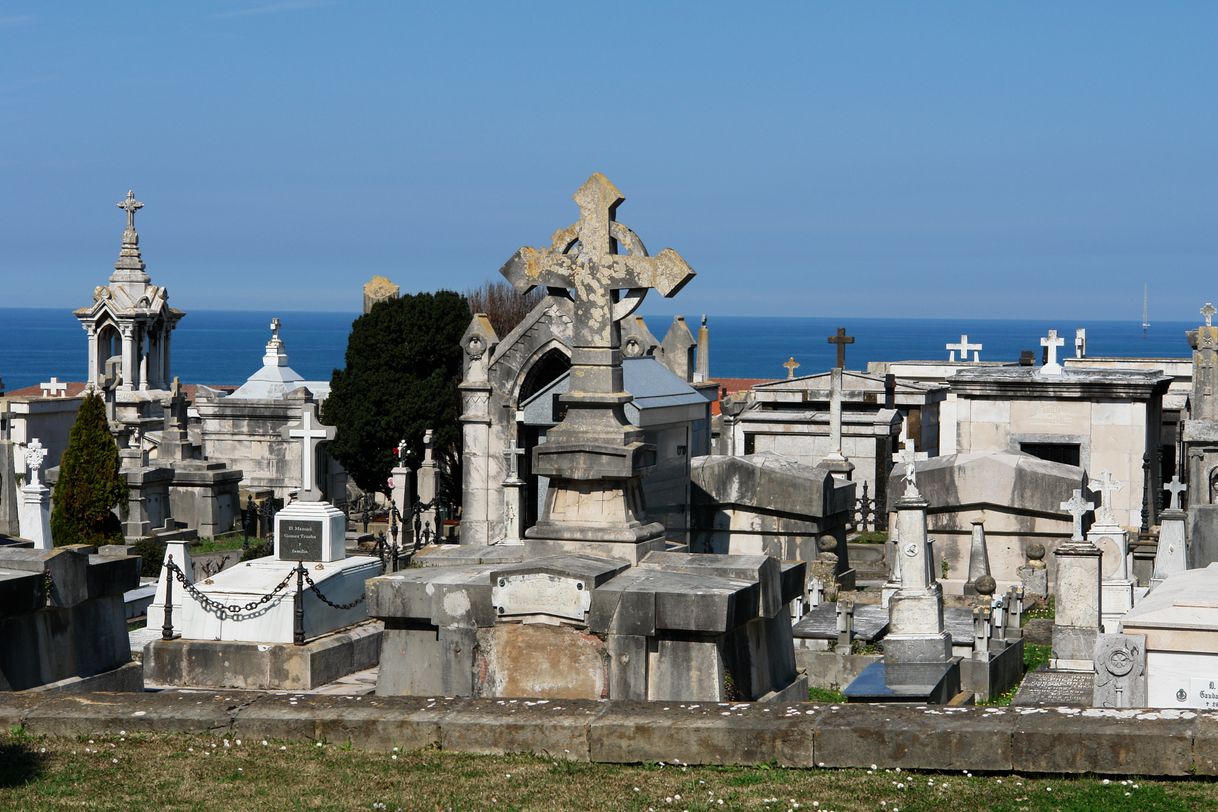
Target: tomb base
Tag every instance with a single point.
(885, 681)
(918, 648)
(630, 552)
(310, 531)
(1073, 648)
(674, 627)
(262, 666)
(1116, 598)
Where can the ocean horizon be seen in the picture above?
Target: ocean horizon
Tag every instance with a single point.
(224, 347)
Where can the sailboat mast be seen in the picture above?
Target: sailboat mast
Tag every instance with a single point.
(1145, 308)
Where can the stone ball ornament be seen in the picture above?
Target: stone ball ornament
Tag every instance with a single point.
(986, 585)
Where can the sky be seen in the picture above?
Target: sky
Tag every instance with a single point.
(932, 159)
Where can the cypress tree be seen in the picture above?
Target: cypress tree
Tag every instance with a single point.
(89, 485)
(403, 365)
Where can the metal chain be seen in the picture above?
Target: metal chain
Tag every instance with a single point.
(342, 607)
(230, 609)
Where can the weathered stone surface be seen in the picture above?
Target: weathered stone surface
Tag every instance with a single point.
(367, 722)
(1105, 741)
(540, 660)
(165, 712)
(918, 738)
(556, 728)
(703, 733)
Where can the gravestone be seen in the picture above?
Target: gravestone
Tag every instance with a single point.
(964, 348)
(1051, 342)
(1077, 616)
(978, 559)
(1056, 688)
(1171, 555)
(36, 499)
(310, 529)
(1112, 540)
(1120, 671)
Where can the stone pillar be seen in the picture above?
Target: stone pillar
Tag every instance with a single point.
(1116, 586)
(10, 512)
(129, 363)
(426, 480)
(915, 611)
(476, 465)
(513, 495)
(1078, 610)
(1171, 555)
(91, 330)
(402, 496)
(702, 374)
(835, 460)
(1034, 576)
(36, 514)
(978, 559)
(164, 359)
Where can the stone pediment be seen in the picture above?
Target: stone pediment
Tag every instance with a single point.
(857, 387)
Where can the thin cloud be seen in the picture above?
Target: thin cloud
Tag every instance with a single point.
(272, 8)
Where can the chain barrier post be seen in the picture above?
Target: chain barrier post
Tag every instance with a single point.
(167, 627)
(298, 636)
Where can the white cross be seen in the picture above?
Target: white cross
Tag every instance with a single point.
(964, 348)
(1106, 486)
(1080, 342)
(1078, 507)
(908, 456)
(1052, 342)
(54, 388)
(1176, 487)
(1208, 311)
(34, 455)
(311, 433)
(275, 329)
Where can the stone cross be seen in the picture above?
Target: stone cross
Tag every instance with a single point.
(835, 414)
(311, 434)
(1176, 487)
(1208, 312)
(513, 468)
(791, 366)
(841, 340)
(1106, 486)
(54, 388)
(34, 455)
(131, 206)
(907, 457)
(1078, 507)
(275, 329)
(964, 348)
(583, 259)
(1052, 342)
(427, 446)
(401, 451)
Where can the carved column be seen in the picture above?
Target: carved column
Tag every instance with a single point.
(129, 370)
(476, 434)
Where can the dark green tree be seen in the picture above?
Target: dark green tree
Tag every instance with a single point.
(89, 485)
(403, 366)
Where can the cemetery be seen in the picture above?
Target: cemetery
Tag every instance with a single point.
(530, 544)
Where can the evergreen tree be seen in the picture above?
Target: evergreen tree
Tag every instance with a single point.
(403, 365)
(89, 485)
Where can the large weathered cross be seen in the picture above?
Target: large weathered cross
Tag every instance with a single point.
(1176, 487)
(1106, 486)
(841, 340)
(964, 348)
(1051, 342)
(584, 259)
(1078, 507)
(311, 434)
(1208, 312)
(130, 205)
(791, 366)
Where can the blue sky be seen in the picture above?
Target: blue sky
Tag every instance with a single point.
(823, 159)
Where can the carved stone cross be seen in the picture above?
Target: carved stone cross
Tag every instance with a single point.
(791, 366)
(1208, 312)
(841, 340)
(275, 329)
(964, 348)
(1106, 486)
(53, 388)
(1176, 487)
(311, 434)
(1051, 342)
(907, 457)
(130, 205)
(1078, 507)
(34, 455)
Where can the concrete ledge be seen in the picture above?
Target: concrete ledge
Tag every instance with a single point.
(1025, 739)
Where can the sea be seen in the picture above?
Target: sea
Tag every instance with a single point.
(225, 347)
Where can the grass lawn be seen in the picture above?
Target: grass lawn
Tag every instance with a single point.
(200, 773)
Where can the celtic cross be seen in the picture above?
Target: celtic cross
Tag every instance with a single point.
(130, 205)
(34, 455)
(791, 366)
(1077, 507)
(1106, 486)
(1176, 487)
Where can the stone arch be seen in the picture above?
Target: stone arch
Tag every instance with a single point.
(549, 363)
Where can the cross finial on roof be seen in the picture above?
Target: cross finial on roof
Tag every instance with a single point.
(53, 388)
(1078, 507)
(1051, 342)
(1176, 487)
(1208, 311)
(130, 205)
(964, 348)
(791, 366)
(841, 340)
(275, 328)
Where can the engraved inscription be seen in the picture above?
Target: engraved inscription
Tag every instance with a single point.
(299, 540)
(539, 593)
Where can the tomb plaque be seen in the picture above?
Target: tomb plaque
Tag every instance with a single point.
(539, 593)
(1203, 694)
(299, 540)
(1056, 688)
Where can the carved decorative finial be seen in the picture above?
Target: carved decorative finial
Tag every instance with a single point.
(1208, 312)
(34, 455)
(130, 205)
